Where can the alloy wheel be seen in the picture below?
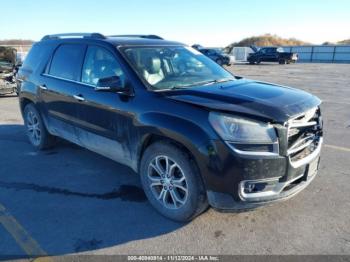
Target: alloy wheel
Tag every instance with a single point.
(33, 128)
(167, 182)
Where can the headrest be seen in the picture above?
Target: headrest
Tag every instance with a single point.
(153, 65)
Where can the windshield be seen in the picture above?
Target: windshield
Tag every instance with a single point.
(171, 67)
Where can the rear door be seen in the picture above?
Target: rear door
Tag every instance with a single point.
(59, 90)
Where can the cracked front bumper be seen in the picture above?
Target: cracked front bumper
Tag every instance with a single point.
(290, 182)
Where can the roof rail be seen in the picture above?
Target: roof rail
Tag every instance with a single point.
(74, 35)
(140, 36)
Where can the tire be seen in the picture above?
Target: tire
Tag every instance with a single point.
(258, 61)
(179, 196)
(282, 61)
(219, 61)
(36, 131)
(251, 62)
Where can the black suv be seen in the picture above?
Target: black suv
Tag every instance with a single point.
(195, 133)
(217, 55)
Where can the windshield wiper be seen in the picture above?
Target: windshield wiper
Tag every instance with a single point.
(215, 81)
(179, 87)
(204, 83)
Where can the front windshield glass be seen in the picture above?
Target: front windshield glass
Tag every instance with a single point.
(171, 67)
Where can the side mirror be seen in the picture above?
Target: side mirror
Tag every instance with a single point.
(112, 84)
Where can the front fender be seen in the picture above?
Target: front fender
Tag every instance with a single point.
(195, 138)
(182, 130)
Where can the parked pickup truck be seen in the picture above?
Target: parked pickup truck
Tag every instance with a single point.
(272, 54)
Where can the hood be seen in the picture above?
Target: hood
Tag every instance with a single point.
(265, 100)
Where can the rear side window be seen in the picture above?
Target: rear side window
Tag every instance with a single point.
(67, 60)
(37, 55)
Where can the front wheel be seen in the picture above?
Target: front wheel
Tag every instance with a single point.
(251, 62)
(36, 131)
(172, 183)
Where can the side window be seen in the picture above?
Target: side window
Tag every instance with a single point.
(67, 60)
(36, 55)
(99, 63)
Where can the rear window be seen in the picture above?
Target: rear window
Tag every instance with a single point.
(67, 60)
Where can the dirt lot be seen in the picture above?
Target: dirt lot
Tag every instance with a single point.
(69, 200)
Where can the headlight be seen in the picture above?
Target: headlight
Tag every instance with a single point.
(242, 130)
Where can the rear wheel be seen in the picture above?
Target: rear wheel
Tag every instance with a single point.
(172, 183)
(36, 131)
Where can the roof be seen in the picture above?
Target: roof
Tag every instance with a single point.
(117, 40)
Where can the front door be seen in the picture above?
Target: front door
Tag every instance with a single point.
(271, 55)
(104, 118)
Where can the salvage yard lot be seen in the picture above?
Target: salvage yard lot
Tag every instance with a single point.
(69, 200)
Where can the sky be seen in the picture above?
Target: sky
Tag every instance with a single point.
(206, 22)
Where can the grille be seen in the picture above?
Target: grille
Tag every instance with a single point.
(304, 133)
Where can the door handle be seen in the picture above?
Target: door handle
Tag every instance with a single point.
(43, 87)
(79, 97)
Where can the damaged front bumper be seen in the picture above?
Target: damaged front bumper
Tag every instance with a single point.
(252, 193)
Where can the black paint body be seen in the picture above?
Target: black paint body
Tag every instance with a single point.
(121, 126)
